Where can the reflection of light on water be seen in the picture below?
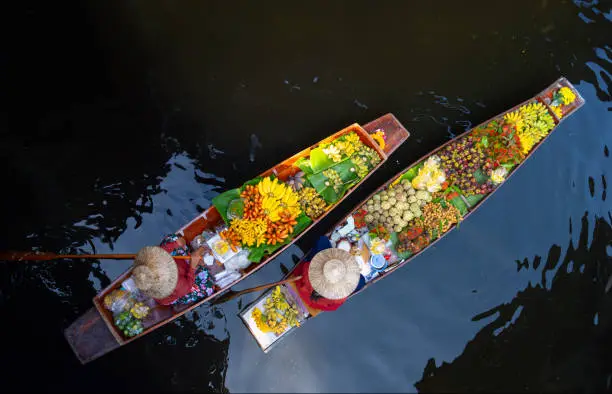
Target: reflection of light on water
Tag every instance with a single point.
(181, 193)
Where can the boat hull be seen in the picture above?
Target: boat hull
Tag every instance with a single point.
(94, 334)
(542, 97)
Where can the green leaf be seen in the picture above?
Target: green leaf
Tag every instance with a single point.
(318, 181)
(474, 199)
(344, 170)
(458, 203)
(480, 176)
(508, 166)
(319, 160)
(303, 221)
(304, 165)
(330, 196)
(349, 178)
(221, 202)
(412, 172)
(485, 141)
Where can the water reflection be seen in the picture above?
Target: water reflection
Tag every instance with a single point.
(552, 336)
(123, 122)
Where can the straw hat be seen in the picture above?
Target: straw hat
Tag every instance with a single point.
(155, 272)
(334, 273)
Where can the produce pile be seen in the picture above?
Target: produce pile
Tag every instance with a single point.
(430, 198)
(127, 312)
(278, 314)
(266, 213)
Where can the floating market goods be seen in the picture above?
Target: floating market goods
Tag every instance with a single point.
(139, 310)
(232, 237)
(297, 181)
(250, 232)
(128, 324)
(396, 206)
(278, 314)
(279, 231)
(113, 296)
(500, 143)
(563, 96)
(532, 122)
(312, 204)
(411, 240)
(430, 176)
(461, 160)
(252, 203)
(498, 175)
(334, 179)
(439, 218)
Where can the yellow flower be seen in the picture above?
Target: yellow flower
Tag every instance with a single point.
(378, 137)
(557, 111)
(271, 188)
(352, 138)
(567, 96)
(333, 153)
(345, 147)
(514, 118)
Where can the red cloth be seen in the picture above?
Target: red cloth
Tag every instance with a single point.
(186, 277)
(305, 291)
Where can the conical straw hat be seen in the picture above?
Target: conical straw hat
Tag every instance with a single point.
(155, 272)
(334, 273)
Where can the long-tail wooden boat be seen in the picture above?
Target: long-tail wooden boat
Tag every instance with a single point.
(94, 334)
(558, 111)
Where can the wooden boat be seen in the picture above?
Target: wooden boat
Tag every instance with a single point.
(266, 340)
(94, 334)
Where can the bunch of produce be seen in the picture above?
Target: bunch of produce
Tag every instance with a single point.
(411, 240)
(114, 296)
(396, 206)
(277, 315)
(532, 122)
(461, 160)
(270, 210)
(139, 310)
(430, 176)
(128, 324)
(266, 212)
(333, 179)
(562, 97)
(500, 143)
(311, 202)
(439, 217)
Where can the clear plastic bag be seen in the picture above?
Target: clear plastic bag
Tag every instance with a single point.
(118, 301)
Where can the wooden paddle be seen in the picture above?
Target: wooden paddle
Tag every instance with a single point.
(230, 295)
(46, 256)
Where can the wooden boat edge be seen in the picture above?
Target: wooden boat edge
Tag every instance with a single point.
(562, 81)
(388, 118)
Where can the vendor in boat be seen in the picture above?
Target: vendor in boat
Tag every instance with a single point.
(172, 281)
(328, 278)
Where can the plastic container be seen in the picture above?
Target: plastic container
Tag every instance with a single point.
(239, 261)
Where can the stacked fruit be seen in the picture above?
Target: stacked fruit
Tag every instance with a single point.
(252, 203)
(461, 160)
(278, 314)
(312, 203)
(278, 231)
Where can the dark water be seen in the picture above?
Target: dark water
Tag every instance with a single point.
(120, 121)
